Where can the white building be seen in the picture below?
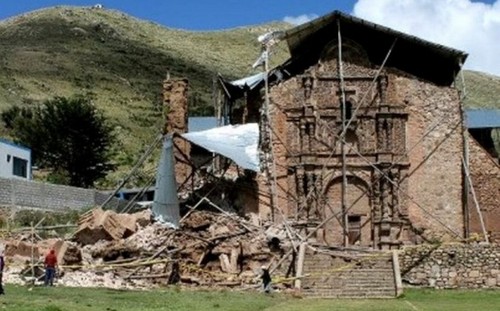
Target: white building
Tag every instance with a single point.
(15, 160)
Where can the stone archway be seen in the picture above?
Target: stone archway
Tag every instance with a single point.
(359, 212)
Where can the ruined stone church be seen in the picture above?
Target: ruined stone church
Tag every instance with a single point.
(387, 99)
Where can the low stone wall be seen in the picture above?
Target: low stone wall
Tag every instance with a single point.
(452, 266)
(23, 193)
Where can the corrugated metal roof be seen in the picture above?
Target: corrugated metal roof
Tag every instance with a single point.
(196, 124)
(482, 118)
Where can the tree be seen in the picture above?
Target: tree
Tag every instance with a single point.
(68, 135)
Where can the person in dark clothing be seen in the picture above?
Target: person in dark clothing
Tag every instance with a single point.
(266, 279)
(50, 267)
(2, 265)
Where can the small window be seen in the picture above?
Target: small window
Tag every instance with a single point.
(20, 167)
(348, 110)
(8, 158)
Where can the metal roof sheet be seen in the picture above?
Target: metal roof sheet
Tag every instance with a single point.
(196, 124)
(482, 118)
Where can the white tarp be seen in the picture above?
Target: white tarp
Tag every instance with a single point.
(236, 142)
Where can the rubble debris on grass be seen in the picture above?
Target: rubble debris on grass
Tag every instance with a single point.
(129, 251)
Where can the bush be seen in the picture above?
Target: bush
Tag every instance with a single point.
(24, 218)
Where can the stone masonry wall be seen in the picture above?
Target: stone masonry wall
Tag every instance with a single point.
(431, 182)
(435, 149)
(485, 175)
(452, 266)
(14, 192)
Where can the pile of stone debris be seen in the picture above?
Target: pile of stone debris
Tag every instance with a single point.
(210, 249)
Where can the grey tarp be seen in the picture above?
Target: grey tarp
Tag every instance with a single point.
(166, 202)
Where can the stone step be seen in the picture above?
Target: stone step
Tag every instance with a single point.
(345, 283)
(347, 271)
(354, 277)
(371, 278)
(354, 288)
(378, 294)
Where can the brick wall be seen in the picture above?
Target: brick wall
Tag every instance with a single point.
(452, 266)
(22, 193)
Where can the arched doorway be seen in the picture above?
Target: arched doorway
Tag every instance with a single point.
(358, 212)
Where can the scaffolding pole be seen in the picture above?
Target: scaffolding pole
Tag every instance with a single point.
(269, 154)
(476, 202)
(345, 219)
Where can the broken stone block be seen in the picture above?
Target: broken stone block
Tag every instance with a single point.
(143, 218)
(196, 221)
(21, 249)
(99, 225)
(128, 222)
(225, 265)
(72, 255)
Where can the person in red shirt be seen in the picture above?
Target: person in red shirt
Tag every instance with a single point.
(50, 267)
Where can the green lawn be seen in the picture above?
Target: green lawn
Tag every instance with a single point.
(20, 298)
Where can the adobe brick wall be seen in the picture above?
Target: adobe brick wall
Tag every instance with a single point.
(485, 175)
(452, 266)
(175, 109)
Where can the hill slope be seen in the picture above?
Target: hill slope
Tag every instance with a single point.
(121, 61)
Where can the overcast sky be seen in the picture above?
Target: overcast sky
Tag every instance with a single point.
(471, 26)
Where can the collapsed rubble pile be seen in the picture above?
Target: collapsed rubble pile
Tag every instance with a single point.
(129, 251)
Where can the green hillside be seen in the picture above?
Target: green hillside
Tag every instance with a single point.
(482, 90)
(121, 61)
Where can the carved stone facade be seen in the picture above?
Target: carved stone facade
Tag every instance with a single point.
(403, 151)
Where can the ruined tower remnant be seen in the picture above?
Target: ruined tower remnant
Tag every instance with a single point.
(175, 110)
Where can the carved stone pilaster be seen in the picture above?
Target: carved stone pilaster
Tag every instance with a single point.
(383, 89)
(307, 84)
(385, 196)
(376, 206)
(395, 194)
(300, 189)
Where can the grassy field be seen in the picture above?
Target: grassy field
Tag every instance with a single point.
(20, 298)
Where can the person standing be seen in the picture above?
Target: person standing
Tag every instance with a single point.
(50, 267)
(2, 265)
(266, 279)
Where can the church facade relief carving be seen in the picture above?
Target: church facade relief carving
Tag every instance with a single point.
(375, 143)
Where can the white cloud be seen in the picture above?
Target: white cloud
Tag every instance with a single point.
(473, 27)
(301, 19)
